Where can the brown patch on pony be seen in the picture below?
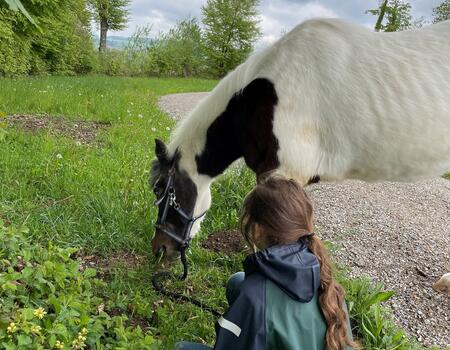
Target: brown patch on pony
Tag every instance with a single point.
(244, 129)
(315, 179)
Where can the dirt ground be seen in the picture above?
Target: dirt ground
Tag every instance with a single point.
(226, 242)
(83, 132)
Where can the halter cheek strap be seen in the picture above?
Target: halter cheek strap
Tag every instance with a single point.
(169, 198)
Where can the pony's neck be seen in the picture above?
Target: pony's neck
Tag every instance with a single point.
(244, 129)
(234, 121)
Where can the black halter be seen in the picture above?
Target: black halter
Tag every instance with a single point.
(169, 198)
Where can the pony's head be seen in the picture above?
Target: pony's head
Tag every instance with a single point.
(182, 197)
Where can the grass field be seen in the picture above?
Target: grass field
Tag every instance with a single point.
(97, 197)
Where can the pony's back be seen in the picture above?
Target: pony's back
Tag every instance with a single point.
(354, 103)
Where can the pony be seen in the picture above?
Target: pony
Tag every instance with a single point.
(329, 101)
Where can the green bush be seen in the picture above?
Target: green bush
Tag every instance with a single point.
(177, 53)
(112, 62)
(14, 50)
(62, 45)
(47, 301)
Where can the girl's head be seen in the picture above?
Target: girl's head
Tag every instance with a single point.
(278, 211)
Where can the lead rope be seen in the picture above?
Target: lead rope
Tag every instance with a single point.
(159, 277)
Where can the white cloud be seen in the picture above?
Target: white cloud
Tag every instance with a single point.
(280, 16)
(161, 15)
(276, 16)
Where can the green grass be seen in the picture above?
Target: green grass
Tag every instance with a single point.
(97, 197)
(108, 205)
(118, 99)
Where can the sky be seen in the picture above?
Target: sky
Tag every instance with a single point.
(276, 16)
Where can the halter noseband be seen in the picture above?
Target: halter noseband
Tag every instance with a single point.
(169, 198)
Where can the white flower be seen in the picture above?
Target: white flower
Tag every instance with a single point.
(140, 116)
(59, 156)
(153, 129)
(167, 128)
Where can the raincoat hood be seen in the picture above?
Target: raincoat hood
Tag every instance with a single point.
(293, 268)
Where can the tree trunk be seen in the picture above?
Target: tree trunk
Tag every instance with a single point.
(103, 33)
(381, 16)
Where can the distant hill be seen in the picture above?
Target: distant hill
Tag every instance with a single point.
(114, 41)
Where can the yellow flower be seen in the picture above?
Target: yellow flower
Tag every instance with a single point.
(11, 328)
(2, 115)
(78, 343)
(59, 344)
(35, 329)
(40, 313)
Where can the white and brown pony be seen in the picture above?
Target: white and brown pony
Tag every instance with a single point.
(329, 100)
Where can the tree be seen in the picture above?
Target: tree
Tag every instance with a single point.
(441, 12)
(110, 15)
(382, 11)
(179, 52)
(397, 14)
(185, 39)
(231, 29)
(62, 45)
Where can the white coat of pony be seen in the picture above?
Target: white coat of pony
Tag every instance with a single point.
(352, 104)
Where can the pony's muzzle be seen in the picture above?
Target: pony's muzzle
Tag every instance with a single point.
(164, 247)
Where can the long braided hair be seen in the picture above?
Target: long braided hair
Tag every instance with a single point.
(284, 214)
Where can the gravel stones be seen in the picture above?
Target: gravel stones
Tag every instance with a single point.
(179, 105)
(397, 234)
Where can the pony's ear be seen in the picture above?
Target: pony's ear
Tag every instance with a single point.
(161, 151)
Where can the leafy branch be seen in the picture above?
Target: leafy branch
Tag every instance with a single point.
(16, 5)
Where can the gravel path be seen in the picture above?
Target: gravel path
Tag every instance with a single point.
(179, 105)
(395, 233)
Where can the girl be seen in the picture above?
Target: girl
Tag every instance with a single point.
(287, 298)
